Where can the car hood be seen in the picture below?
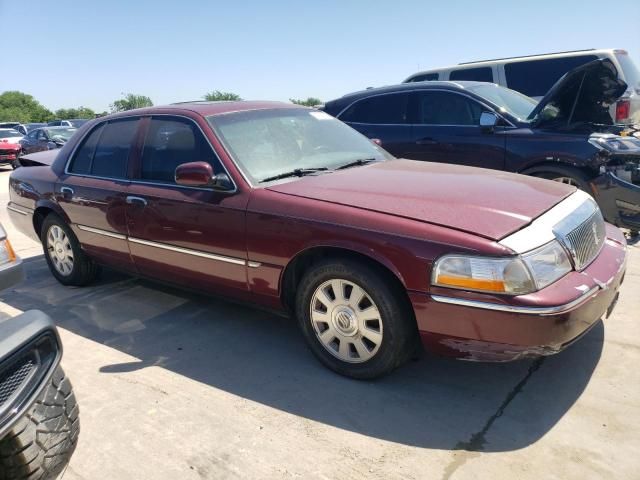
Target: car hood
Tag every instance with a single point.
(581, 98)
(37, 159)
(484, 202)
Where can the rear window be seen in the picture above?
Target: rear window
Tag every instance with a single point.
(425, 77)
(629, 70)
(480, 74)
(381, 109)
(105, 152)
(534, 78)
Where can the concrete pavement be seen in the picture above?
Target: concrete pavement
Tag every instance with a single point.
(176, 385)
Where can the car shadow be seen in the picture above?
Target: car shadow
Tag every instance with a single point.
(430, 403)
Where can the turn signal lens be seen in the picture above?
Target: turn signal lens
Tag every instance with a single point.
(7, 254)
(484, 274)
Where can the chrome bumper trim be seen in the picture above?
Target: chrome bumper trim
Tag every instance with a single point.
(17, 210)
(98, 231)
(188, 251)
(516, 309)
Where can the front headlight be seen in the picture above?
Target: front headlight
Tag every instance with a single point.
(513, 275)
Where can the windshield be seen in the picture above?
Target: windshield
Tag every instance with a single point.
(267, 143)
(9, 133)
(61, 133)
(510, 101)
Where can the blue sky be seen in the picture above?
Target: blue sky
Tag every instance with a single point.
(71, 53)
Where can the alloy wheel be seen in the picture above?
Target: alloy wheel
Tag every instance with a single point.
(60, 250)
(346, 320)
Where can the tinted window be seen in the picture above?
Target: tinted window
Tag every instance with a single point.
(389, 109)
(480, 74)
(81, 162)
(425, 77)
(442, 108)
(33, 135)
(535, 77)
(172, 142)
(112, 152)
(41, 135)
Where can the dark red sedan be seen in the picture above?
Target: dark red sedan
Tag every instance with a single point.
(287, 207)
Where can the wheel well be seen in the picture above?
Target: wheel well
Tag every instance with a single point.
(38, 218)
(585, 172)
(296, 268)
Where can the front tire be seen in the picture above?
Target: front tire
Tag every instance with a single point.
(41, 443)
(66, 260)
(355, 321)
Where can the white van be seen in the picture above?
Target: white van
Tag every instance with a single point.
(534, 75)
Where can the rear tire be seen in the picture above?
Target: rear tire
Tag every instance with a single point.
(41, 443)
(354, 319)
(66, 259)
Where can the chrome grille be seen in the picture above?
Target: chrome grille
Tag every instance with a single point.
(585, 241)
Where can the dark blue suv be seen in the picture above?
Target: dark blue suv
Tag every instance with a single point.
(568, 136)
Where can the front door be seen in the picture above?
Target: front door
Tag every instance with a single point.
(447, 129)
(92, 192)
(184, 235)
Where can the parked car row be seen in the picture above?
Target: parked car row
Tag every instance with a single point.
(568, 136)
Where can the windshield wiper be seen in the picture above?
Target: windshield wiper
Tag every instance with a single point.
(298, 172)
(356, 163)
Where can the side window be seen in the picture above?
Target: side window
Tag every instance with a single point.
(81, 162)
(480, 74)
(171, 142)
(444, 108)
(535, 77)
(382, 109)
(33, 135)
(41, 135)
(425, 77)
(112, 152)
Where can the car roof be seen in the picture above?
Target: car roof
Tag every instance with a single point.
(3, 129)
(452, 85)
(206, 108)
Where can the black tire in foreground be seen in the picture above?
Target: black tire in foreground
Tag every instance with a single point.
(66, 260)
(355, 319)
(41, 443)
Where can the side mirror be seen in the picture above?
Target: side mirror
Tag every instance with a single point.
(200, 174)
(488, 121)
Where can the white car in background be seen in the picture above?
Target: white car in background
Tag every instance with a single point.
(9, 135)
(534, 75)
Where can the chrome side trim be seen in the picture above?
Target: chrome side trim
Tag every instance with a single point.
(253, 264)
(188, 251)
(515, 309)
(98, 231)
(17, 210)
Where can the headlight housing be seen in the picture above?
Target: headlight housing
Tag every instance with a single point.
(516, 275)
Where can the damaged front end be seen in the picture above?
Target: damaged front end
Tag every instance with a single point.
(617, 188)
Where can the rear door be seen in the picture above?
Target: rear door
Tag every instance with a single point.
(384, 117)
(186, 235)
(447, 129)
(93, 189)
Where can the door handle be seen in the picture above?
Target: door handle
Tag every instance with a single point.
(426, 141)
(136, 201)
(66, 192)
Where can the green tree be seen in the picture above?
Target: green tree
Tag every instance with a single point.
(309, 102)
(129, 102)
(217, 95)
(20, 107)
(80, 112)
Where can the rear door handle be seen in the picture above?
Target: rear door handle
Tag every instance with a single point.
(136, 201)
(66, 192)
(426, 141)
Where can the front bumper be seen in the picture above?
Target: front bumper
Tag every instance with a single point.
(497, 328)
(618, 200)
